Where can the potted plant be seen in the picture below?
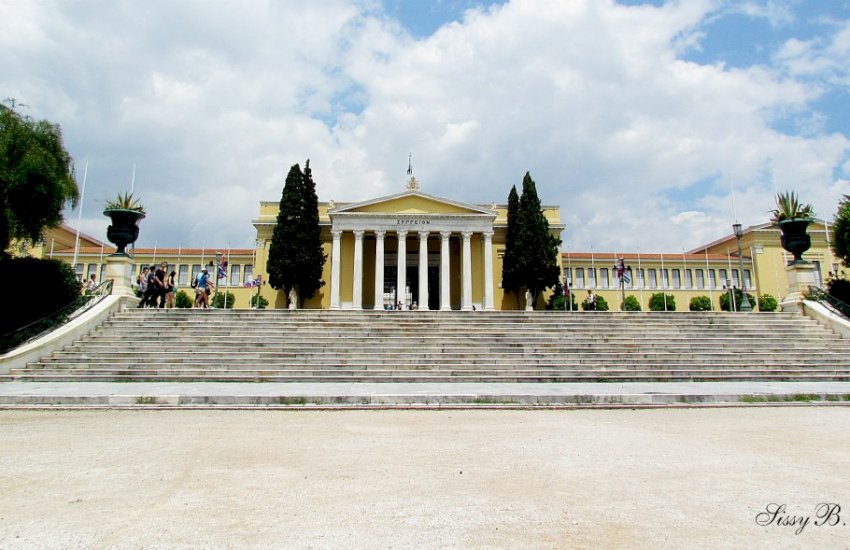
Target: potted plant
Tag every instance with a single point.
(793, 218)
(125, 212)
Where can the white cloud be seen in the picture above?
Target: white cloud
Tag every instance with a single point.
(214, 103)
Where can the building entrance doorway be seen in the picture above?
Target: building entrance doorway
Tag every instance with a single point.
(409, 297)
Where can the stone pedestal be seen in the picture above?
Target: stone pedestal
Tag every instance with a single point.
(800, 278)
(118, 269)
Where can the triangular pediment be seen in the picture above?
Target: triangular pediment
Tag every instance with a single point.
(411, 202)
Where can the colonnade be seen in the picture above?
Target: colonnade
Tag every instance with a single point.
(401, 236)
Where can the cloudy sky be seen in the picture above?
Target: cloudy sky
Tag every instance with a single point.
(638, 118)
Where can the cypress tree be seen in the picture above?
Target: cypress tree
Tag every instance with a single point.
(536, 248)
(295, 255)
(510, 281)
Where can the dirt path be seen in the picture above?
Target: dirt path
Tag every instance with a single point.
(428, 479)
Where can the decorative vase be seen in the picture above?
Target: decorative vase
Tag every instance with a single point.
(794, 238)
(124, 229)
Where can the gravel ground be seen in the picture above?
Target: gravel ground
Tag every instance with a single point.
(668, 478)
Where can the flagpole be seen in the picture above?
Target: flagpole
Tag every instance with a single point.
(640, 278)
(80, 216)
(708, 279)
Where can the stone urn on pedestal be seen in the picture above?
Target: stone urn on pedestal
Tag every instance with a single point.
(793, 218)
(126, 213)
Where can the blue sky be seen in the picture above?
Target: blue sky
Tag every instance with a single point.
(637, 118)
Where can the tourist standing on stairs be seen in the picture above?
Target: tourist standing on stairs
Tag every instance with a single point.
(591, 301)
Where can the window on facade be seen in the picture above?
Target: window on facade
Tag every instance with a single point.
(818, 275)
(689, 279)
(735, 280)
(748, 279)
(78, 269)
(603, 277)
(653, 279)
(700, 279)
(591, 277)
(712, 279)
(102, 276)
(568, 276)
(183, 275)
(641, 278)
(249, 273)
(665, 278)
(92, 271)
(677, 279)
(235, 272)
(196, 269)
(579, 282)
(724, 281)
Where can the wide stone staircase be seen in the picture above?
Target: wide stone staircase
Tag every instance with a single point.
(347, 346)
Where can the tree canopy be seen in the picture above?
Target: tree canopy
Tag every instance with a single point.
(36, 177)
(536, 248)
(841, 231)
(295, 255)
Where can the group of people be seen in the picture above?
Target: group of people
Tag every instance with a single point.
(157, 287)
(160, 290)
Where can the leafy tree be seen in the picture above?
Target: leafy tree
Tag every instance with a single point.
(510, 277)
(767, 303)
(36, 177)
(739, 298)
(631, 304)
(841, 231)
(536, 248)
(657, 303)
(839, 289)
(700, 303)
(295, 254)
(220, 302)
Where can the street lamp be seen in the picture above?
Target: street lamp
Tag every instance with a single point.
(745, 300)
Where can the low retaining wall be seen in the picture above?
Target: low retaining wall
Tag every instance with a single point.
(65, 335)
(839, 324)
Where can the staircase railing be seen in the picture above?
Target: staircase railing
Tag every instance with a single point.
(818, 294)
(56, 319)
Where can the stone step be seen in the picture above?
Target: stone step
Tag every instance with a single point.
(439, 378)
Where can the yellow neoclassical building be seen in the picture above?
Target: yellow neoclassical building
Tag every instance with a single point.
(706, 270)
(410, 250)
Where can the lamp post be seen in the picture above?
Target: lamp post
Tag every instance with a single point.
(745, 300)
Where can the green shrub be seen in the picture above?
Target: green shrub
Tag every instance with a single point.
(656, 302)
(631, 304)
(700, 303)
(34, 289)
(739, 296)
(767, 303)
(557, 299)
(219, 301)
(183, 300)
(263, 302)
(601, 304)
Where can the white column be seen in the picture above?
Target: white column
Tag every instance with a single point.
(379, 269)
(423, 270)
(336, 259)
(358, 271)
(466, 259)
(402, 267)
(445, 295)
(488, 270)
